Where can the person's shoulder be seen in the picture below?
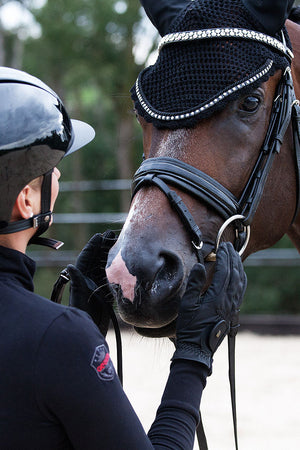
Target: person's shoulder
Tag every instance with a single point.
(68, 325)
(61, 315)
(70, 334)
(26, 304)
(43, 313)
(44, 317)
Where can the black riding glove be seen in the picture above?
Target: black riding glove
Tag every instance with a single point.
(89, 290)
(204, 320)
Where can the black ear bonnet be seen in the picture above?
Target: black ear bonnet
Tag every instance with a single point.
(225, 53)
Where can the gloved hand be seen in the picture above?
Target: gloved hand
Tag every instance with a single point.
(204, 321)
(89, 289)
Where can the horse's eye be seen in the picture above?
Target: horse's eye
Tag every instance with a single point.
(250, 103)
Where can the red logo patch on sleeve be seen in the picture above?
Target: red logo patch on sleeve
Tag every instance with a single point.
(102, 363)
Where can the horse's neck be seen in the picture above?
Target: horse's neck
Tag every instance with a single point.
(294, 33)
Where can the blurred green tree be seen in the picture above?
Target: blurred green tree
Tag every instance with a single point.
(85, 53)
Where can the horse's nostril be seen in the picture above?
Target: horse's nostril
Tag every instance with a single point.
(168, 278)
(156, 297)
(170, 268)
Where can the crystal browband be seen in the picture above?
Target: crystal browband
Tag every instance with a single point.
(179, 116)
(215, 33)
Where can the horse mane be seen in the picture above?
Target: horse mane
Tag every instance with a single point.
(294, 15)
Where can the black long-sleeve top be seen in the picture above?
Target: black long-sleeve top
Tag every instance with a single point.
(59, 389)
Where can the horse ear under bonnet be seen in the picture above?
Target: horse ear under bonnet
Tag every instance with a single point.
(163, 12)
(215, 52)
(270, 13)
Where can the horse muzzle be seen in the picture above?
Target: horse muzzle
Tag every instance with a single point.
(147, 284)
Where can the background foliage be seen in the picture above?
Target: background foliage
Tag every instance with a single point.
(84, 50)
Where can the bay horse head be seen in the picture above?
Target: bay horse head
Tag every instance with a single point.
(215, 110)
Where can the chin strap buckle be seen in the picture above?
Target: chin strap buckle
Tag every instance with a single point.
(41, 219)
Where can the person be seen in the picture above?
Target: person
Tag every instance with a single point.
(59, 388)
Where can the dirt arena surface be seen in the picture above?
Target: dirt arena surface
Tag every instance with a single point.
(268, 389)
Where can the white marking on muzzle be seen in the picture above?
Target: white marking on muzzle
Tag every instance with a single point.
(117, 273)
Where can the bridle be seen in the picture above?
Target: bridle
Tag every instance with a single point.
(165, 171)
(239, 212)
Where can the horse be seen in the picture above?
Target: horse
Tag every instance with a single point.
(173, 221)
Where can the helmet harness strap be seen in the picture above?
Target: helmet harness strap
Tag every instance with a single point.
(39, 221)
(44, 218)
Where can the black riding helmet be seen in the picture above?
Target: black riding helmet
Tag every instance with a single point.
(35, 134)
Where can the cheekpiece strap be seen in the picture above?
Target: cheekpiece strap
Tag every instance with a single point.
(279, 122)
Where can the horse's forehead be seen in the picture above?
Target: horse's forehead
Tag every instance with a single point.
(223, 128)
(172, 143)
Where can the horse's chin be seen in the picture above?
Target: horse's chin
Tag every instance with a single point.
(148, 320)
(165, 331)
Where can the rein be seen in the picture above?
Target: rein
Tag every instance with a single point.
(165, 171)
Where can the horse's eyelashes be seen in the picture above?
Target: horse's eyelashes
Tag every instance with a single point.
(250, 103)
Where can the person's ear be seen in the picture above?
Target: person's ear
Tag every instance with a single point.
(24, 204)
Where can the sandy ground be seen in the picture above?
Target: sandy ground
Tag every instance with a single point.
(268, 389)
